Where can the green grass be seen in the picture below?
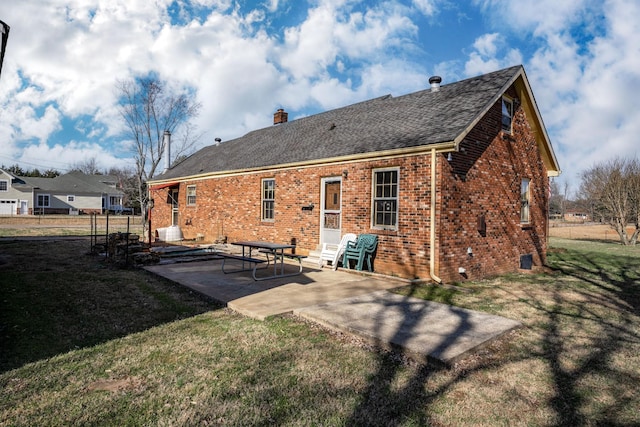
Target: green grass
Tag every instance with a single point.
(87, 344)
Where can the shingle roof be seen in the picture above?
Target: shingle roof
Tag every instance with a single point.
(73, 183)
(386, 123)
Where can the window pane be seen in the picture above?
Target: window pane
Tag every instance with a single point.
(507, 114)
(385, 203)
(191, 195)
(268, 199)
(524, 200)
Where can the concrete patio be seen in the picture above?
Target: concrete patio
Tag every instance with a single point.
(348, 301)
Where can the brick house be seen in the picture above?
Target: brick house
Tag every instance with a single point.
(453, 179)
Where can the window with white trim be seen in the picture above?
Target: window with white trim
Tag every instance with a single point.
(525, 200)
(71, 198)
(191, 195)
(507, 114)
(268, 199)
(42, 201)
(4, 185)
(385, 198)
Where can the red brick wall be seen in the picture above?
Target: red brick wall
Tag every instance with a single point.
(484, 180)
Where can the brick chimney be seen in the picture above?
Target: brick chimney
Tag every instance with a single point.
(280, 116)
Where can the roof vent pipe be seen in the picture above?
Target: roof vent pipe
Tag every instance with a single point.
(167, 150)
(435, 83)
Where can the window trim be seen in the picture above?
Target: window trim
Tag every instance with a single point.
(506, 100)
(189, 196)
(525, 201)
(395, 225)
(40, 205)
(267, 204)
(6, 185)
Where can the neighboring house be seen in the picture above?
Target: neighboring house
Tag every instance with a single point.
(71, 193)
(452, 179)
(576, 216)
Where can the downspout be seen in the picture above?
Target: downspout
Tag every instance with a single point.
(432, 227)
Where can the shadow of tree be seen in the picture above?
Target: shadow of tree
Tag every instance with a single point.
(56, 298)
(583, 324)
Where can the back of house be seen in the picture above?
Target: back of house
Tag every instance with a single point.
(452, 179)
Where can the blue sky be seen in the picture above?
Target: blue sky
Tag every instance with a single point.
(244, 59)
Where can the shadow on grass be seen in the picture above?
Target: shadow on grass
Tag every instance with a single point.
(55, 297)
(591, 303)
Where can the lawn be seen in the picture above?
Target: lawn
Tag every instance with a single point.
(87, 344)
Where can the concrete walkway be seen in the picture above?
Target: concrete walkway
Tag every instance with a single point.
(350, 302)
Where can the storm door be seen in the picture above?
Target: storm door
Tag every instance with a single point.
(173, 195)
(331, 211)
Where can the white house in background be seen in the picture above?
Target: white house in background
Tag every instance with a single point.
(71, 193)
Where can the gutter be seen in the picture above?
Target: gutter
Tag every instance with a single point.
(387, 154)
(432, 228)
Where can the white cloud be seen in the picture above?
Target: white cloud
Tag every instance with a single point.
(584, 68)
(490, 54)
(427, 7)
(62, 157)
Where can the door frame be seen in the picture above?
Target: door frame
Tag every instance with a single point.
(325, 235)
(175, 206)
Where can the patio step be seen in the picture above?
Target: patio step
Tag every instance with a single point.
(313, 258)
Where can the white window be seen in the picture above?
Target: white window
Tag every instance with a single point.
(43, 201)
(4, 185)
(385, 198)
(525, 200)
(507, 114)
(71, 198)
(268, 199)
(191, 195)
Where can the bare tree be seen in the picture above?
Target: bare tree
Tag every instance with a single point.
(127, 182)
(149, 110)
(613, 189)
(559, 199)
(88, 166)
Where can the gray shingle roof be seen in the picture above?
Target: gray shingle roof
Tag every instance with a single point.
(380, 124)
(72, 183)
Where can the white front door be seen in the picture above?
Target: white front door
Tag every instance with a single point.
(24, 207)
(331, 211)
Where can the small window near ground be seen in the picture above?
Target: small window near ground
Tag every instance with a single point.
(507, 114)
(4, 185)
(71, 198)
(191, 195)
(385, 198)
(43, 201)
(268, 199)
(525, 200)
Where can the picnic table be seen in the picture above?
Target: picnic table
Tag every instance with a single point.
(276, 250)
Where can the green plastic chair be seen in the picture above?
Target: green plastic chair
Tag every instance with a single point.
(363, 249)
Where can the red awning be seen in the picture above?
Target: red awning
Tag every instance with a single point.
(161, 186)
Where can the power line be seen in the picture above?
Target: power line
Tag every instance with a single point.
(14, 161)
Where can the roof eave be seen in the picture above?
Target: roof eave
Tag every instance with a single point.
(386, 154)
